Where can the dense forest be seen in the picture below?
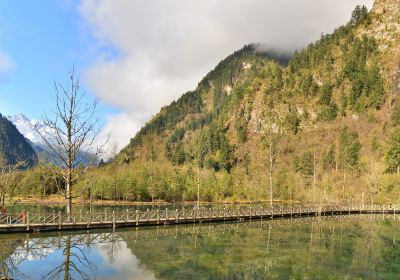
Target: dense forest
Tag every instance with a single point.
(322, 125)
(14, 148)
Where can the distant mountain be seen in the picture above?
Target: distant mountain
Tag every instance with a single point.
(29, 128)
(14, 147)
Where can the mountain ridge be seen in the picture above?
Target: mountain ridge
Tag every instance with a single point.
(339, 89)
(14, 147)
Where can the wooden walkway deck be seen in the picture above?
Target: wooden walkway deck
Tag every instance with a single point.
(61, 222)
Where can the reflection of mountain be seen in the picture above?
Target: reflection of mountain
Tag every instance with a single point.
(303, 249)
(21, 254)
(311, 248)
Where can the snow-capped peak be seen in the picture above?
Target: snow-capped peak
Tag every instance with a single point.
(27, 127)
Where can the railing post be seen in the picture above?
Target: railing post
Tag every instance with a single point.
(250, 212)
(224, 213)
(137, 217)
(158, 216)
(80, 216)
(148, 215)
(166, 214)
(105, 215)
(176, 215)
(27, 220)
(127, 215)
(54, 216)
(88, 221)
(59, 220)
(113, 219)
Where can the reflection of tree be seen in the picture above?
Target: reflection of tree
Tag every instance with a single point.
(8, 264)
(112, 248)
(76, 265)
(306, 248)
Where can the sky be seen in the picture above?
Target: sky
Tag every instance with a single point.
(136, 56)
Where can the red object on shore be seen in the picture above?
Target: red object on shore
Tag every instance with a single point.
(4, 210)
(21, 215)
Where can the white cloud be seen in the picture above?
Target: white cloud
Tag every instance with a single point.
(119, 129)
(6, 66)
(166, 47)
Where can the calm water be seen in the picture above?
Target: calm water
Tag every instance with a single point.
(359, 247)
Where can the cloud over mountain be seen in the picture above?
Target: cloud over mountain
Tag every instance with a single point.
(150, 52)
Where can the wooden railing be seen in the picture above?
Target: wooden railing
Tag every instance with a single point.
(62, 221)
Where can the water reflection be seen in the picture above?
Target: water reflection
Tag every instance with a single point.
(309, 248)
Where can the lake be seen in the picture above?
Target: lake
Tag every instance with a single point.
(346, 247)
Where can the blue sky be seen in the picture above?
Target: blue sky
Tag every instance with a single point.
(43, 39)
(136, 56)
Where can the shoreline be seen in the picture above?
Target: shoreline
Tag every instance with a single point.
(60, 201)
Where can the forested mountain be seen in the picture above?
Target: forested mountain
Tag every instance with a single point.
(31, 129)
(323, 125)
(14, 148)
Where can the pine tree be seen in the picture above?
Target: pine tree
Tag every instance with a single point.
(376, 89)
(393, 154)
(304, 164)
(326, 94)
(329, 158)
(395, 116)
(349, 151)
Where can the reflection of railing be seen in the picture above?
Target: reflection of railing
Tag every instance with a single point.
(90, 220)
(56, 241)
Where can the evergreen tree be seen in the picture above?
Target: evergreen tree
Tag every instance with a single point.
(349, 151)
(376, 89)
(329, 158)
(359, 14)
(393, 154)
(395, 116)
(326, 94)
(304, 164)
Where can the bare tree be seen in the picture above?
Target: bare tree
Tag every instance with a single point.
(272, 136)
(70, 135)
(199, 154)
(114, 153)
(76, 264)
(8, 186)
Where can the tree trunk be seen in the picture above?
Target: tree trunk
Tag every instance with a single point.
(198, 187)
(314, 177)
(271, 166)
(67, 259)
(69, 197)
(344, 179)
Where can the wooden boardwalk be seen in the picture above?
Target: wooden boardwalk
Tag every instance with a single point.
(78, 221)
